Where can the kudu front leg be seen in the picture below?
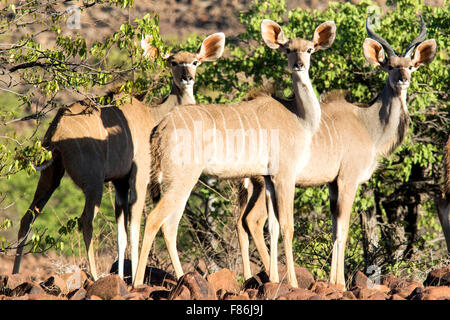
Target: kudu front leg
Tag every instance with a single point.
(48, 182)
(341, 202)
(280, 199)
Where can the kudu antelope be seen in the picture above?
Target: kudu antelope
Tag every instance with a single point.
(112, 144)
(256, 137)
(443, 202)
(345, 150)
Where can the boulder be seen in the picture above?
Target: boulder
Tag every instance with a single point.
(78, 294)
(26, 288)
(10, 281)
(405, 288)
(107, 288)
(272, 290)
(224, 279)
(436, 293)
(153, 276)
(199, 288)
(305, 279)
(297, 294)
(42, 296)
(256, 281)
(438, 277)
(55, 285)
(74, 280)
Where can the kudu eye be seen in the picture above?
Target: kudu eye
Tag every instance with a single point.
(195, 63)
(310, 50)
(390, 67)
(173, 63)
(288, 50)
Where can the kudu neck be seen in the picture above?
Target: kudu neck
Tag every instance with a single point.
(183, 95)
(307, 104)
(387, 119)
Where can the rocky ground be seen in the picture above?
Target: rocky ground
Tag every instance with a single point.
(75, 284)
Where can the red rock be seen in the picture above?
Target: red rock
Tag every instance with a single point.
(297, 294)
(349, 295)
(405, 288)
(256, 281)
(54, 285)
(317, 297)
(224, 279)
(252, 293)
(272, 290)
(10, 281)
(152, 276)
(199, 288)
(305, 279)
(42, 296)
(107, 287)
(180, 293)
(378, 295)
(79, 294)
(397, 297)
(118, 298)
(144, 290)
(360, 280)
(26, 288)
(390, 281)
(94, 297)
(437, 293)
(369, 294)
(74, 280)
(233, 296)
(134, 296)
(438, 277)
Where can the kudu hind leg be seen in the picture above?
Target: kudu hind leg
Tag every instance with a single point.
(171, 203)
(138, 192)
(93, 200)
(48, 182)
(274, 229)
(122, 215)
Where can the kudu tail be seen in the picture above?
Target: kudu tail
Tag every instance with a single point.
(155, 169)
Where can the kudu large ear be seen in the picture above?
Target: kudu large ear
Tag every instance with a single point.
(373, 52)
(424, 53)
(272, 34)
(324, 35)
(150, 52)
(212, 47)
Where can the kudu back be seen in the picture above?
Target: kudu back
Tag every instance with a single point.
(96, 145)
(346, 148)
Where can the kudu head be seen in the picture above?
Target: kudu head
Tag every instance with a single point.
(184, 64)
(298, 50)
(379, 52)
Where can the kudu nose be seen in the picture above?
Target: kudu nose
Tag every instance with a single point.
(298, 66)
(186, 77)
